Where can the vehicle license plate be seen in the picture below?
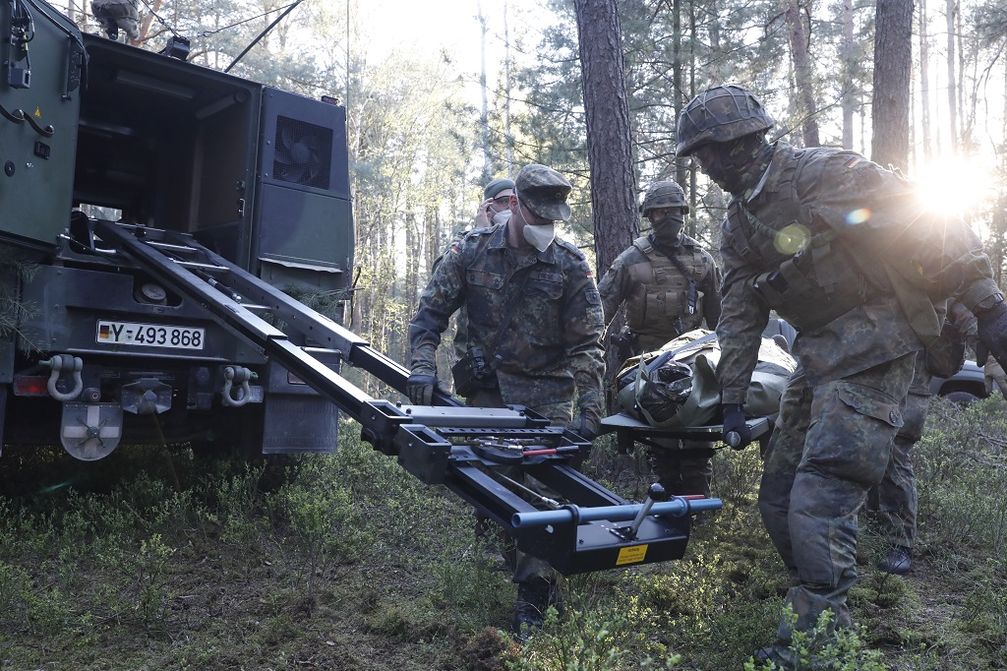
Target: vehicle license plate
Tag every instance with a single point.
(150, 335)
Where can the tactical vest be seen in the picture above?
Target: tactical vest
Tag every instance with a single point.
(658, 307)
(809, 278)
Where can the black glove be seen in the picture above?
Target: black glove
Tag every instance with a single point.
(736, 432)
(992, 328)
(585, 426)
(420, 388)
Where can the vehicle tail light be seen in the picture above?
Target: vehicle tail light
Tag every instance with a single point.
(30, 385)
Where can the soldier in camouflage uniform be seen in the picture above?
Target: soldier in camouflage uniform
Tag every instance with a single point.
(893, 502)
(841, 249)
(116, 14)
(670, 285)
(549, 354)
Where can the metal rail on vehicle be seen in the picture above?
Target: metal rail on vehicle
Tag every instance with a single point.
(474, 452)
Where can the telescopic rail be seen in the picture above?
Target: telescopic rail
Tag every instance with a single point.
(480, 454)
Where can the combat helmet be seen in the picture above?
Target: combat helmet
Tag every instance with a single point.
(720, 114)
(663, 194)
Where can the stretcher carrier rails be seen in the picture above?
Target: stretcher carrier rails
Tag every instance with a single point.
(450, 444)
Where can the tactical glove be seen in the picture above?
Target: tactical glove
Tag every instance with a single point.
(992, 327)
(586, 426)
(420, 388)
(736, 432)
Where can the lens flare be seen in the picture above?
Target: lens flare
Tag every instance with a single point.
(791, 239)
(956, 185)
(859, 216)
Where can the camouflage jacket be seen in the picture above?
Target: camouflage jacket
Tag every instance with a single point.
(842, 249)
(551, 347)
(656, 291)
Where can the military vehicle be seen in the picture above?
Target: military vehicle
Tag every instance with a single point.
(151, 211)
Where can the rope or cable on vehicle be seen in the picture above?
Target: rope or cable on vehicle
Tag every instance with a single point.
(158, 17)
(208, 33)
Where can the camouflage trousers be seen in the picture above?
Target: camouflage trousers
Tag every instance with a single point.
(525, 567)
(893, 502)
(832, 443)
(682, 467)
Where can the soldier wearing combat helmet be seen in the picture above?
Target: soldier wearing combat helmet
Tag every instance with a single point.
(841, 248)
(670, 285)
(534, 332)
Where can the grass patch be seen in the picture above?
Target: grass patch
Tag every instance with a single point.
(166, 560)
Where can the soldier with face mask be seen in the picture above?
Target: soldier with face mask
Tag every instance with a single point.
(843, 250)
(534, 333)
(495, 208)
(670, 285)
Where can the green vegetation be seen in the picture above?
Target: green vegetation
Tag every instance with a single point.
(171, 560)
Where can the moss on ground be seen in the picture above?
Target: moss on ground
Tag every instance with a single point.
(169, 560)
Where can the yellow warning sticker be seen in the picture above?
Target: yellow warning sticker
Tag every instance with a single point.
(633, 554)
(38, 112)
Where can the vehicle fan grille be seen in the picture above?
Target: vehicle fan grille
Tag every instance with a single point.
(303, 153)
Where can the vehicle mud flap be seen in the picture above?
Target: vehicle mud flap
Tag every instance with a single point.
(90, 431)
(295, 417)
(299, 423)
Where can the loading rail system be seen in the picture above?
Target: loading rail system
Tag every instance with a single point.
(477, 453)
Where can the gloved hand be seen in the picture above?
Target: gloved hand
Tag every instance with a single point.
(992, 327)
(585, 425)
(734, 423)
(420, 388)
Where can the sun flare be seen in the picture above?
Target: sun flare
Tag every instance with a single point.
(955, 184)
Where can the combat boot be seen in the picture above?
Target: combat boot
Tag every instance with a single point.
(779, 655)
(533, 599)
(898, 562)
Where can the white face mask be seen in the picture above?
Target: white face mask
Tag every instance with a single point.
(501, 217)
(539, 236)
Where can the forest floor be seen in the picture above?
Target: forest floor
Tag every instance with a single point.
(160, 558)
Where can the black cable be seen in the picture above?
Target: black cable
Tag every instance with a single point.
(208, 33)
(12, 117)
(44, 132)
(262, 34)
(162, 21)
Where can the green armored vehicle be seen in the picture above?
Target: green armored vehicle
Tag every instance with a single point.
(93, 340)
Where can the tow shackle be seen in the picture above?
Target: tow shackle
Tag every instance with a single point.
(236, 376)
(59, 364)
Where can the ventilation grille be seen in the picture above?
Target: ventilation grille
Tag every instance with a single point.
(303, 153)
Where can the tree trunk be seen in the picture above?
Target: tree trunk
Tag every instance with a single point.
(692, 92)
(508, 138)
(145, 22)
(924, 81)
(484, 116)
(848, 55)
(951, 8)
(610, 153)
(676, 78)
(803, 75)
(893, 62)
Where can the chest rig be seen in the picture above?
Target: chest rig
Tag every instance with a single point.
(665, 300)
(807, 274)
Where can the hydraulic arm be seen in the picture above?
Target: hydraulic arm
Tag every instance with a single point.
(469, 450)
